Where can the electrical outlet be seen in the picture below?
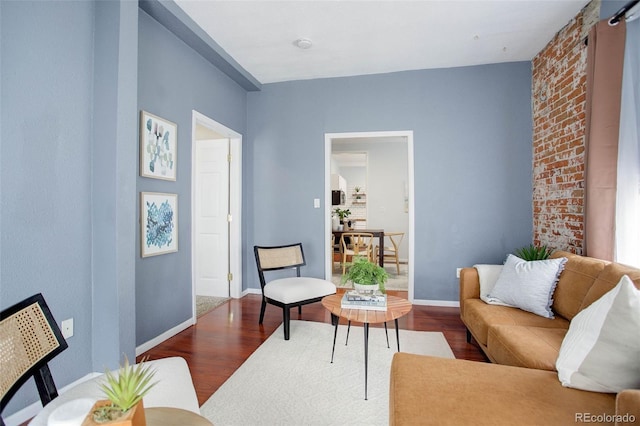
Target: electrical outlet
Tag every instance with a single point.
(458, 272)
(67, 328)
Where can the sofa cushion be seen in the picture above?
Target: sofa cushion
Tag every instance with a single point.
(478, 317)
(575, 281)
(608, 279)
(436, 391)
(529, 285)
(174, 388)
(522, 346)
(601, 351)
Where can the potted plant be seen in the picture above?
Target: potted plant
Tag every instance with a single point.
(124, 392)
(365, 276)
(533, 252)
(342, 214)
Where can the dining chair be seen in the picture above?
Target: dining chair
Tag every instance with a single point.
(391, 252)
(336, 253)
(287, 292)
(29, 339)
(355, 244)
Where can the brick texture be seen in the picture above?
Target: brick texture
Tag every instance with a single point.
(558, 105)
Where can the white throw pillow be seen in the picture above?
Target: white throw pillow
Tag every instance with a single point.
(601, 351)
(488, 276)
(528, 285)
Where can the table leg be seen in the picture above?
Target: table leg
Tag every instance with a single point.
(346, 342)
(397, 334)
(366, 357)
(335, 320)
(381, 249)
(387, 334)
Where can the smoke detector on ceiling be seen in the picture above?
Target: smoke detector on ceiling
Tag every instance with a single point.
(303, 43)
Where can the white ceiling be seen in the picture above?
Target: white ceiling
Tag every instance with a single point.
(356, 37)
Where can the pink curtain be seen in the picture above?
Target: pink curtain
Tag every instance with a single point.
(604, 87)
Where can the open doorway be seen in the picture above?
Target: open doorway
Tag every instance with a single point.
(380, 166)
(215, 210)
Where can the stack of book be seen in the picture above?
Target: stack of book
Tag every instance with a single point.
(353, 299)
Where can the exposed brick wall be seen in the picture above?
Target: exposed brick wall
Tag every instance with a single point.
(558, 105)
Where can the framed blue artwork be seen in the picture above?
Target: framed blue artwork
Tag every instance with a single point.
(159, 223)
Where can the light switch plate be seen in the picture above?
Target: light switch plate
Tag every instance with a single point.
(67, 328)
(316, 203)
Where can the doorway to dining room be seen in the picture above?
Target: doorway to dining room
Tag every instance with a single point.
(375, 170)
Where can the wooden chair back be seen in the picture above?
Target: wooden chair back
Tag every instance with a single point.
(29, 339)
(275, 258)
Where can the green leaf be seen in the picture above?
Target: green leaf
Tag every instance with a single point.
(131, 385)
(362, 271)
(533, 252)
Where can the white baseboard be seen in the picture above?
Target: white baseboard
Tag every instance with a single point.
(164, 336)
(445, 303)
(251, 291)
(32, 410)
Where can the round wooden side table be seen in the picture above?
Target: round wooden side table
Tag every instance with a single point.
(169, 416)
(396, 307)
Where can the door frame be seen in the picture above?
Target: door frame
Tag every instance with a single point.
(235, 202)
(328, 139)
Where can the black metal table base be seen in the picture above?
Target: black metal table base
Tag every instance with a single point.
(335, 321)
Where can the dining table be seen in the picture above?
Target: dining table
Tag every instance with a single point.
(376, 233)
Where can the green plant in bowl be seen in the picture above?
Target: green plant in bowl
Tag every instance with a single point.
(366, 273)
(124, 391)
(533, 252)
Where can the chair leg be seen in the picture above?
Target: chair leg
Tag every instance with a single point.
(286, 316)
(44, 382)
(397, 264)
(262, 309)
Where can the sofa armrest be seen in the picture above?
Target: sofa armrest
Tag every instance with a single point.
(628, 406)
(469, 286)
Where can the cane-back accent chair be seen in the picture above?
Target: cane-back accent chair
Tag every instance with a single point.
(290, 291)
(29, 339)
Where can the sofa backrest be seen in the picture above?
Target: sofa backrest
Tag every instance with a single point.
(608, 279)
(584, 280)
(575, 281)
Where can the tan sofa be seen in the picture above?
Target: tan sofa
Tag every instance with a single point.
(510, 336)
(525, 389)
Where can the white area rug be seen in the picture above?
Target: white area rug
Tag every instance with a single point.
(294, 383)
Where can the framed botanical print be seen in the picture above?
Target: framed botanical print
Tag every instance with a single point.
(158, 147)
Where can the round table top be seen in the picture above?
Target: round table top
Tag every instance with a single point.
(396, 308)
(169, 416)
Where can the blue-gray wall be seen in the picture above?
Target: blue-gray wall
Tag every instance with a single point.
(173, 80)
(472, 158)
(74, 77)
(56, 176)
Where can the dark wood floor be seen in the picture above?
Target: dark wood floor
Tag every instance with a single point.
(225, 337)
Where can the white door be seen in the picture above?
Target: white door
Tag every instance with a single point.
(211, 218)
